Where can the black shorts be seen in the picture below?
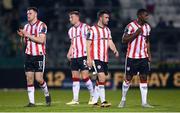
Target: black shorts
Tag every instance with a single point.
(101, 66)
(79, 64)
(134, 66)
(34, 63)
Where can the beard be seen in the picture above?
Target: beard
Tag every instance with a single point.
(105, 23)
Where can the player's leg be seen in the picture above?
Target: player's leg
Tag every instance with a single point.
(86, 78)
(101, 86)
(102, 69)
(76, 81)
(29, 72)
(39, 66)
(76, 85)
(30, 88)
(88, 83)
(125, 88)
(42, 83)
(96, 94)
(129, 72)
(143, 88)
(75, 88)
(96, 88)
(143, 72)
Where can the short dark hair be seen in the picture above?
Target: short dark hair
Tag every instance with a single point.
(140, 11)
(33, 8)
(101, 12)
(74, 12)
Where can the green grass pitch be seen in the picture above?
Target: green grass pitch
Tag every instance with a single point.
(162, 99)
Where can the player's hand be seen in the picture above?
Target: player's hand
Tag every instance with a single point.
(116, 53)
(149, 58)
(20, 33)
(69, 56)
(138, 31)
(25, 33)
(89, 62)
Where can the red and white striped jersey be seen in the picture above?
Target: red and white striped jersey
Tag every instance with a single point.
(137, 49)
(33, 48)
(78, 37)
(100, 38)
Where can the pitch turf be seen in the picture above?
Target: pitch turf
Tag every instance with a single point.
(162, 100)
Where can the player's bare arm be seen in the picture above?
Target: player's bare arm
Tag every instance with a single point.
(130, 37)
(69, 54)
(20, 33)
(113, 48)
(148, 48)
(41, 39)
(88, 46)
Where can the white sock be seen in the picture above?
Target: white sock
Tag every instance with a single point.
(125, 87)
(30, 90)
(89, 85)
(102, 92)
(76, 88)
(144, 89)
(45, 89)
(96, 94)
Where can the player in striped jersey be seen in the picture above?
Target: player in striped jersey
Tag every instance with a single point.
(98, 43)
(78, 57)
(34, 34)
(138, 57)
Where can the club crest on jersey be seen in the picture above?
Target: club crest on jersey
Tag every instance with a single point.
(128, 69)
(99, 67)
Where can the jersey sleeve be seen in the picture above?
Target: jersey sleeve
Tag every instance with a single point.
(146, 30)
(128, 29)
(43, 29)
(70, 33)
(149, 29)
(109, 33)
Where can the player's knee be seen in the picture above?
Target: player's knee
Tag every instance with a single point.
(29, 79)
(85, 76)
(75, 76)
(102, 79)
(30, 82)
(85, 79)
(40, 80)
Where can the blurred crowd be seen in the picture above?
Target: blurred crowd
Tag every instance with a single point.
(55, 14)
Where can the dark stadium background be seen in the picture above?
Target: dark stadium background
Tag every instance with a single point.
(165, 40)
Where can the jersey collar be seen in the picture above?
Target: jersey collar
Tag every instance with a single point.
(34, 23)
